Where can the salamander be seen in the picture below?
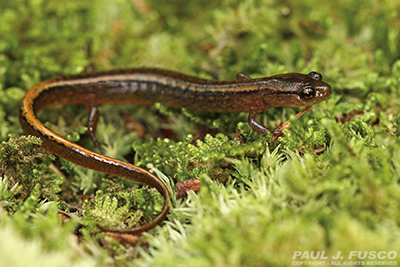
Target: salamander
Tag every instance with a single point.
(145, 86)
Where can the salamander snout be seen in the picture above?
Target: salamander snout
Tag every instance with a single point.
(322, 89)
(323, 92)
(315, 90)
(295, 90)
(304, 89)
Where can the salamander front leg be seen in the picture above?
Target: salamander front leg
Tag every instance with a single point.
(93, 119)
(259, 127)
(255, 124)
(278, 131)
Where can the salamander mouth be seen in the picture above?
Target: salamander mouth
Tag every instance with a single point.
(321, 95)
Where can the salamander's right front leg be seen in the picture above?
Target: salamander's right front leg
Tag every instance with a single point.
(264, 130)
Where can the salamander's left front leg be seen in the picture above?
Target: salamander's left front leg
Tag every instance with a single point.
(255, 124)
(259, 127)
(264, 130)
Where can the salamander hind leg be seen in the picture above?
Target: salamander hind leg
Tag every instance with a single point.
(93, 119)
(242, 76)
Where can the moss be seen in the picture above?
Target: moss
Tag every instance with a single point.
(330, 183)
(24, 166)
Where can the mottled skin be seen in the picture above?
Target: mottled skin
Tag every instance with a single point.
(175, 90)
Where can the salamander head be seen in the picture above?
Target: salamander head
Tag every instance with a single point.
(296, 90)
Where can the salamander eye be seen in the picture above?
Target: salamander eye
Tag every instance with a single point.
(315, 76)
(307, 93)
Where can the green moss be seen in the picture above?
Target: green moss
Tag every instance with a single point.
(260, 200)
(24, 166)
